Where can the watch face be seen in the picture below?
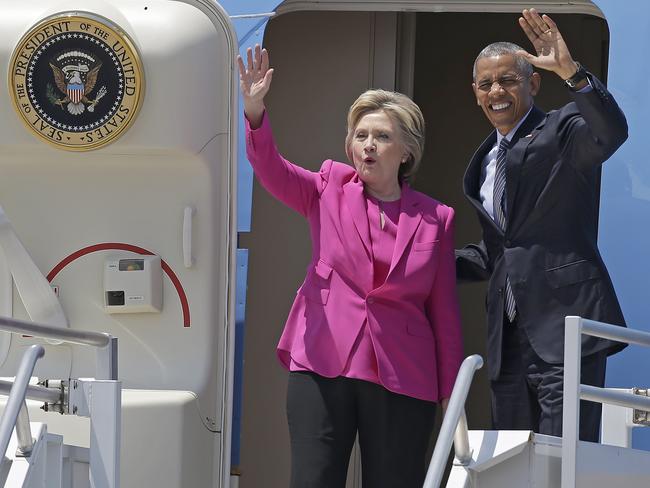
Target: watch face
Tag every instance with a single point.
(76, 80)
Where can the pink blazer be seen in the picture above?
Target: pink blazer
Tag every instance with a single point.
(413, 318)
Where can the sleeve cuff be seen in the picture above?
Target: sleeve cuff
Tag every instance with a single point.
(264, 123)
(586, 89)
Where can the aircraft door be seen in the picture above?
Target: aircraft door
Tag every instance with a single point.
(118, 159)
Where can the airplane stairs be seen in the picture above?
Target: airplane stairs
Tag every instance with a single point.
(483, 459)
(34, 457)
(522, 459)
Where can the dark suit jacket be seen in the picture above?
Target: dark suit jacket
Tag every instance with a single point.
(549, 248)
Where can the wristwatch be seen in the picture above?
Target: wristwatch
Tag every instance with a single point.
(577, 77)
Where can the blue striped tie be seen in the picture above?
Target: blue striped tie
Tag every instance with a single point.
(500, 216)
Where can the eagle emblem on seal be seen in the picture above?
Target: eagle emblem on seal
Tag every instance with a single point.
(75, 76)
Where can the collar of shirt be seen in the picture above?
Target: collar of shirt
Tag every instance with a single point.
(509, 135)
(488, 169)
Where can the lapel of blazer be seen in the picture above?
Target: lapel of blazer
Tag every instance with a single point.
(472, 179)
(410, 216)
(516, 153)
(356, 203)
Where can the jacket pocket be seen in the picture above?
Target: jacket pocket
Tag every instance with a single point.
(425, 246)
(571, 273)
(423, 331)
(317, 283)
(323, 269)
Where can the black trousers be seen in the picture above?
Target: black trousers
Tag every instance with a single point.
(529, 391)
(324, 417)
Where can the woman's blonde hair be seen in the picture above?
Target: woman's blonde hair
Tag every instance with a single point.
(405, 114)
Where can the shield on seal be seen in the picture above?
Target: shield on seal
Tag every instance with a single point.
(75, 91)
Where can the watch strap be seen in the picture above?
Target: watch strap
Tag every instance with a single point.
(577, 77)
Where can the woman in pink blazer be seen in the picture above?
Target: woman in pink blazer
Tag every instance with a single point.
(373, 338)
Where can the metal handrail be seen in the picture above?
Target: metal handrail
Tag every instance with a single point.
(613, 397)
(105, 343)
(454, 425)
(574, 327)
(34, 392)
(12, 415)
(23, 432)
(74, 336)
(462, 450)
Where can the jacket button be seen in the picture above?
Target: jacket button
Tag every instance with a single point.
(508, 243)
(370, 300)
(500, 291)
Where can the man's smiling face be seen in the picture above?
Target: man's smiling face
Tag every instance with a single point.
(503, 92)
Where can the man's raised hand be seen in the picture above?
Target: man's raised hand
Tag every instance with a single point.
(552, 52)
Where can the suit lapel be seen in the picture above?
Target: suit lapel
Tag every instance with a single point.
(515, 157)
(409, 220)
(472, 179)
(355, 200)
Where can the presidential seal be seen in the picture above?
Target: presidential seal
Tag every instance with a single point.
(76, 80)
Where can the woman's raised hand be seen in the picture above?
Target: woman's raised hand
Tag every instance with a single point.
(254, 83)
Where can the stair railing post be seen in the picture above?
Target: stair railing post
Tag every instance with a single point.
(571, 399)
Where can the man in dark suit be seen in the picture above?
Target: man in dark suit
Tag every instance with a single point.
(534, 182)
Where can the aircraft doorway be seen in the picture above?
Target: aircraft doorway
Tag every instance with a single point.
(445, 48)
(322, 61)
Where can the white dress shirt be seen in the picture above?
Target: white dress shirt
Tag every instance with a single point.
(489, 166)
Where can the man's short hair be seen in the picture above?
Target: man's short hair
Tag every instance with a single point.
(501, 49)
